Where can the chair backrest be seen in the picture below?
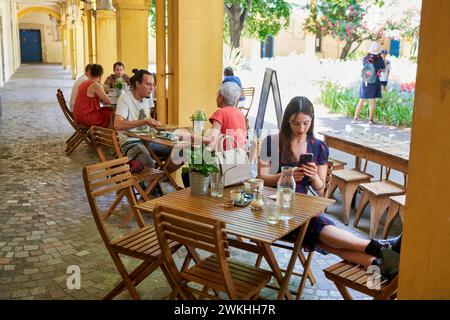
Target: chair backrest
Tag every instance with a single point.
(328, 178)
(105, 139)
(195, 232)
(248, 92)
(104, 179)
(63, 105)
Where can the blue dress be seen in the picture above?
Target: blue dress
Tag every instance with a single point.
(320, 156)
(372, 90)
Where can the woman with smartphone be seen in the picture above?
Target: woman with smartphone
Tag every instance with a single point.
(296, 146)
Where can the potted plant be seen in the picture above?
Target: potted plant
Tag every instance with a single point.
(198, 121)
(119, 85)
(199, 169)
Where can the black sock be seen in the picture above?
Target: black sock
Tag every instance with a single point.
(373, 248)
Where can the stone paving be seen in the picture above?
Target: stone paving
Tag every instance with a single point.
(45, 221)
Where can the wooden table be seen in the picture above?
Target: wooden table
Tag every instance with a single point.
(161, 164)
(246, 223)
(392, 155)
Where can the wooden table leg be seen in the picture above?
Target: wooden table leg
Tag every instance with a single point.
(272, 262)
(297, 246)
(163, 165)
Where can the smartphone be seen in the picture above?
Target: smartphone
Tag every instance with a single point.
(305, 158)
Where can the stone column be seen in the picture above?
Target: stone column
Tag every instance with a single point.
(106, 40)
(132, 33)
(195, 43)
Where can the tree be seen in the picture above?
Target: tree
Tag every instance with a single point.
(354, 21)
(257, 18)
(342, 20)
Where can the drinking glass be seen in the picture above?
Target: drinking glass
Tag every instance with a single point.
(273, 213)
(216, 183)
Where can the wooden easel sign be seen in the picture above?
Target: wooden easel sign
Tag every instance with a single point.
(270, 82)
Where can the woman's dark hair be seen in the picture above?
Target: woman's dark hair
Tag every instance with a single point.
(228, 72)
(96, 70)
(118, 63)
(138, 76)
(87, 68)
(295, 106)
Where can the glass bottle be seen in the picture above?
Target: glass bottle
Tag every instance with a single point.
(286, 193)
(198, 121)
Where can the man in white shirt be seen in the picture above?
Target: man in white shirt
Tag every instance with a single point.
(77, 83)
(133, 114)
(384, 75)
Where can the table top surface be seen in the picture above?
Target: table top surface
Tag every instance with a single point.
(241, 221)
(373, 142)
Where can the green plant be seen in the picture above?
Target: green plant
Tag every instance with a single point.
(200, 160)
(119, 84)
(395, 107)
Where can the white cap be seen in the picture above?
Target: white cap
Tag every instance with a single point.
(374, 48)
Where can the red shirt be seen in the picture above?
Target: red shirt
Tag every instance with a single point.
(87, 109)
(233, 124)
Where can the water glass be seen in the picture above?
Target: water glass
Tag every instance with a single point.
(216, 183)
(273, 213)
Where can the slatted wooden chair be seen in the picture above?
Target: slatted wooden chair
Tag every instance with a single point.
(348, 181)
(104, 179)
(104, 139)
(248, 93)
(217, 271)
(348, 275)
(396, 206)
(81, 131)
(377, 194)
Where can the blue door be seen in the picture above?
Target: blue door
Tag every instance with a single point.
(30, 45)
(395, 48)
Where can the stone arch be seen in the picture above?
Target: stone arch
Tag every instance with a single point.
(38, 9)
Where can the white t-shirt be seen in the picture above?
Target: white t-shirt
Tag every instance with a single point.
(383, 74)
(129, 108)
(73, 95)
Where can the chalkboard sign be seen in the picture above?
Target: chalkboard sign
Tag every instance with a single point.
(270, 81)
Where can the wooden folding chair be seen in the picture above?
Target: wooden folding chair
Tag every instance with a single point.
(216, 272)
(103, 179)
(103, 138)
(248, 93)
(348, 275)
(81, 131)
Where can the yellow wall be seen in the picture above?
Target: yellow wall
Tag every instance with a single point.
(51, 46)
(132, 33)
(197, 65)
(106, 44)
(425, 257)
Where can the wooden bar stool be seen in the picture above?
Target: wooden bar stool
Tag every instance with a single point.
(377, 194)
(337, 164)
(396, 206)
(348, 275)
(347, 180)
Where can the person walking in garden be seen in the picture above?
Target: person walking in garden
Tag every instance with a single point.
(384, 75)
(370, 81)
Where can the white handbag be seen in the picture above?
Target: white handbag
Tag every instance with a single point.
(233, 163)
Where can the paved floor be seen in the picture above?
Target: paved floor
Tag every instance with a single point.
(45, 221)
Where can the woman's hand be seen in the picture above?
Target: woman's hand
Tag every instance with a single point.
(298, 174)
(310, 170)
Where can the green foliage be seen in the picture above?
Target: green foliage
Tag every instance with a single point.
(395, 107)
(267, 17)
(119, 84)
(200, 160)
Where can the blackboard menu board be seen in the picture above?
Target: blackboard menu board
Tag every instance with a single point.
(270, 82)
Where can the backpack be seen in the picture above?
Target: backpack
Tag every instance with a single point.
(368, 72)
